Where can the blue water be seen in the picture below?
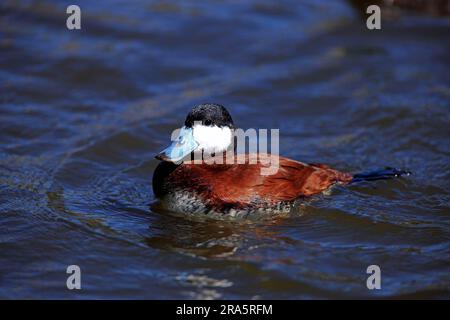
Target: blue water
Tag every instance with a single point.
(82, 114)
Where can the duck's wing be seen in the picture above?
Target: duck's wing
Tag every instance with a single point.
(295, 179)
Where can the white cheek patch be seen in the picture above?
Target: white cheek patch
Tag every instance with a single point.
(212, 138)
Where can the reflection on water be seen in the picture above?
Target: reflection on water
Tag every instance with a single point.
(82, 115)
(208, 237)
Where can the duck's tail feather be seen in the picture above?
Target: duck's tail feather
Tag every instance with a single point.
(382, 174)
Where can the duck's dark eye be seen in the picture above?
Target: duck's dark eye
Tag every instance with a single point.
(207, 122)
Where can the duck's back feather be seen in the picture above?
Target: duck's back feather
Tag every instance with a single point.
(241, 185)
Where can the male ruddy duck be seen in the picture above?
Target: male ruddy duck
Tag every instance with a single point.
(235, 188)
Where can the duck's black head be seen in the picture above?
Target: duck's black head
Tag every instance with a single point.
(208, 129)
(209, 114)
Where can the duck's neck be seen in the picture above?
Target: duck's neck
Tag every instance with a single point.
(223, 158)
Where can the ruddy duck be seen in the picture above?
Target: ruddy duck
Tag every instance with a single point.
(231, 188)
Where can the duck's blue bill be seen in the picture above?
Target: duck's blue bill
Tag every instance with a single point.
(182, 146)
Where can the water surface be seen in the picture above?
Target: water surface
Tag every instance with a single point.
(82, 114)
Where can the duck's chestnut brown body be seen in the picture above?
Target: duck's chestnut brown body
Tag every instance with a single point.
(222, 187)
